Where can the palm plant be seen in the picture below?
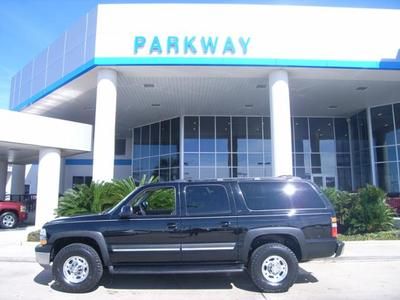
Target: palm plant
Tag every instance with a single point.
(98, 196)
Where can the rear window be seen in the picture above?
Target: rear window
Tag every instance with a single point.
(280, 195)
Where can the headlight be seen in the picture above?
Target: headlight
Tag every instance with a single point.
(43, 236)
(22, 208)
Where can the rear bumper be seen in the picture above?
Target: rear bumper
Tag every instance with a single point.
(339, 248)
(42, 254)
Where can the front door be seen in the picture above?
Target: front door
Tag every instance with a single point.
(208, 223)
(152, 234)
(324, 181)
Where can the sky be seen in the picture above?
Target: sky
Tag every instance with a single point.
(28, 26)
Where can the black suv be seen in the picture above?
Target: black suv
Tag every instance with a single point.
(264, 226)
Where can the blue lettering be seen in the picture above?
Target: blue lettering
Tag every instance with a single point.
(172, 43)
(244, 44)
(140, 41)
(188, 45)
(155, 46)
(209, 45)
(229, 47)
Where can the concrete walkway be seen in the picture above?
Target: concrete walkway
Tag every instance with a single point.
(15, 248)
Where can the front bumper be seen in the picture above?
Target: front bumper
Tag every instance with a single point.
(339, 248)
(42, 255)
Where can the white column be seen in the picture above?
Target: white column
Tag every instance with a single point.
(281, 132)
(104, 132)
(371, 147)
(18, 180)
(48, 185)
(3, 178)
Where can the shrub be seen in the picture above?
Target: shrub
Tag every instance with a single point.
(33, 236)
(371, 213)
(363, 212)
(96, 197)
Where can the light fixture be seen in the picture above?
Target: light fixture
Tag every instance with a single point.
(380, 114)
(332, 106)
(156, 104)
(261, 86)
(249, 106)
(361, 88)
(148, 85)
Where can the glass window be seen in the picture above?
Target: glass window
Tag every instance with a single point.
(344, 179)
(267, 134)
(145, 141)
(223, 142)
(207, 159)
(321, 131)
(385, 154)
(155, 139)
(206, 200)
(155, 202)
(136, 143)
(397, 119)
(342, 135)
(175, 124)
(191, 134)
(388, 177)
(78, 180)
(120, 146)
(382, 125)
(301, 138)
(207, 134)
(255, 142)
(165, 137)
(264, 195)
(191, 159)
(239, 137)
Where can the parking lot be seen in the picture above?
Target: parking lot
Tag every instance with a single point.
(365, 277)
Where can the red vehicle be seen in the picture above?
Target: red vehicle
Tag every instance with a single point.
(12, 213)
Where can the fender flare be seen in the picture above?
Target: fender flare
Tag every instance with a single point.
(252, 234)
(94, 235)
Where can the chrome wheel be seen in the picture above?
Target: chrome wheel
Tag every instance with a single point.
(76, 269)
(8, 221)
(274, 268)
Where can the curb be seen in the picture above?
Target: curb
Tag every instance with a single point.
(17, 259)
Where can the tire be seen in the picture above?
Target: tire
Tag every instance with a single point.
(271, 260)
(80, 258)
(8, 220)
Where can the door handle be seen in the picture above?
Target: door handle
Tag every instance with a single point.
(171, 225)
(225, 224)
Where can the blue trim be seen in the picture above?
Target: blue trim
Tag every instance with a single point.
(326, 3)
(89, 162)
(208, 61)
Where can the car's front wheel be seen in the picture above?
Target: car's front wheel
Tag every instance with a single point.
(273, 267)
(77, 268)
(8, 220)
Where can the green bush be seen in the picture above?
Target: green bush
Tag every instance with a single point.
(363, 212)
(96, 197)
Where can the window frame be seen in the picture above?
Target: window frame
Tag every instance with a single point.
(310, 184)
(140, 193)
(185, 211)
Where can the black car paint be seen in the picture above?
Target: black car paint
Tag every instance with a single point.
(160, 240)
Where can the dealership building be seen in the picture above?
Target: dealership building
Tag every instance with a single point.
(195, 91)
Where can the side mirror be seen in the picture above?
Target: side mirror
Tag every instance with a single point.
(126, 212)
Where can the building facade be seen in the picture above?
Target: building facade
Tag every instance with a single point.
(191, 91)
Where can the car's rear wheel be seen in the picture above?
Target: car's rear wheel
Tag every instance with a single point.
(77, 268)
(8, 220)
(273, 267)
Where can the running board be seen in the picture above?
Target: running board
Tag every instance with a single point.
(176, 269)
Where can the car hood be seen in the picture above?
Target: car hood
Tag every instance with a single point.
(80, 218)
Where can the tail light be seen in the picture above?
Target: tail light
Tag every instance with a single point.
(334, 227)
(22, 208)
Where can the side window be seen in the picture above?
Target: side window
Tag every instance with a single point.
(280, 195)
(206, 199)
(306, 197)
(156, 202)
(264, 195)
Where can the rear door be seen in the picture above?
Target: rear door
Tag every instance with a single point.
(208, 223)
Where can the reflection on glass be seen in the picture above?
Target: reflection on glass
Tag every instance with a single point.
(207, 134)
(223, 139)
(321, 133)
(239, 136)
(382, 125)
(388, 177)
(255, 141)
(191, 134)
